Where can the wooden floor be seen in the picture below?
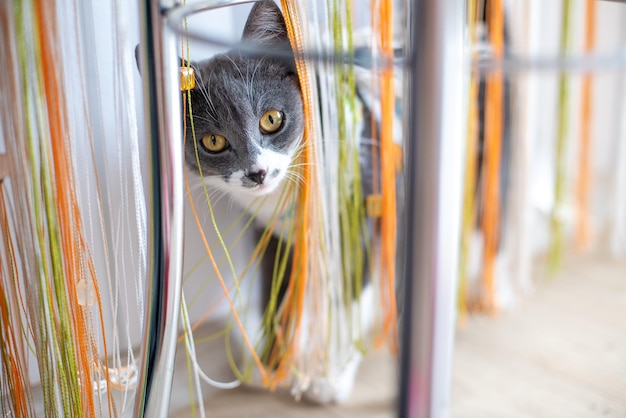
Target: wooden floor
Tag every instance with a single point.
(560, 353)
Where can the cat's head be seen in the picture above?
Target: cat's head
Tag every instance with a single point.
(247, 111)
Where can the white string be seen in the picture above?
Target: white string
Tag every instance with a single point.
(191, 352)
(137, 179)
(530, 99)
(192, 355)
(125, 100)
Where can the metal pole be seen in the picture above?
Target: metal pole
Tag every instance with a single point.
(164, 136)
(435, 128)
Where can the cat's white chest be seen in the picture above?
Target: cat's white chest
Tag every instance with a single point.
(274, 209)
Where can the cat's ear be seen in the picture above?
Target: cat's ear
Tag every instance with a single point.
(266, 26)
(192, 64)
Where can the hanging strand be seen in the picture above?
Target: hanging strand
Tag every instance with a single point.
(584, 153)
(388, 166)
(471, 170)
(306, 234)
(556, 221)
(15, 330)
(16, 395)
(492, 155)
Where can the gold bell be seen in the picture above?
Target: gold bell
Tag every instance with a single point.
(374, 205)
(187, 79)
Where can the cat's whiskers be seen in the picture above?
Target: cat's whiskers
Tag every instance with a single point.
(215, 195)
(294, 177)
(204, 93)
(296, 165)
(245, 79)
(200, 189)
(198, 196)
(203, 118)
(231, 203)
(251, 82)
(296, 149)
(201, 87)
(262, 97)
(293, 170)
(197, 193)
(214, 202)
(204, 87)
(206, 213)
(195, 184)
(293, 182)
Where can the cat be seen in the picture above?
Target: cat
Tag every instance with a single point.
(248, 120)
(248, 116)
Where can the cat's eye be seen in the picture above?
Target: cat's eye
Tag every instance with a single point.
(214, 143)
(271, 121)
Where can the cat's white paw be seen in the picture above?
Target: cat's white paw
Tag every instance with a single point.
(337, 389)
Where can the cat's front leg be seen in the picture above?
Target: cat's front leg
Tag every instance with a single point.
(337, 385)
(337, 389)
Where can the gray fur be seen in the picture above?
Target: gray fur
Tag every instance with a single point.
(233, 92)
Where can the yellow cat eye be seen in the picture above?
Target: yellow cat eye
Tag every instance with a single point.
(214, 142)
(271, 121)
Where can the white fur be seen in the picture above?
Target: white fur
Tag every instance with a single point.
(336, 386)
(276, 165)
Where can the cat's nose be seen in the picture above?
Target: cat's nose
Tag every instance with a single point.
(257, 176)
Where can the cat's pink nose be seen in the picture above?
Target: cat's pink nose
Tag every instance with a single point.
(257, 176)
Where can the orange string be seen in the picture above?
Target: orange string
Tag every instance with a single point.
(492, 155)
(255, 255)
(226, 293)
(68, 211)
(57, 124)
(584, 153)
(293, 304)
(388, 180)
(256, 358)
(10, 348)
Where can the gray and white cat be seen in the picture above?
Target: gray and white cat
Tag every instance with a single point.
(249, 123)
(248, 115)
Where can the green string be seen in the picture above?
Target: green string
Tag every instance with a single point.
(232, 246)
(350, 192)
(275, 214)
(208, 201)
(58, 333)
(46, 370)
(186, 328)
(279, 273)
(556, 222)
